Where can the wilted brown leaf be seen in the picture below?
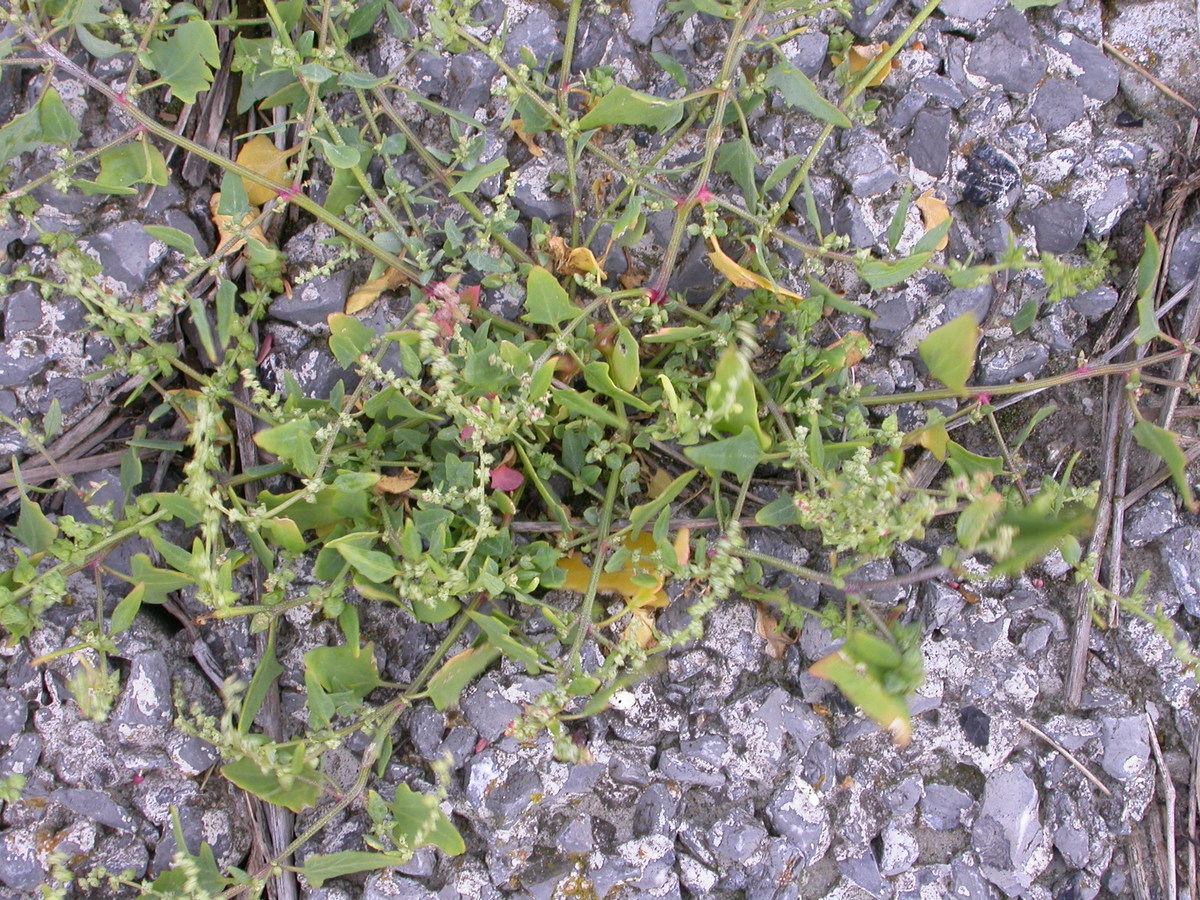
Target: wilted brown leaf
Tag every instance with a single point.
(369, 292)
(397, 484)
(933, 213)
(742, 277)
(766, 626)
(224, 224)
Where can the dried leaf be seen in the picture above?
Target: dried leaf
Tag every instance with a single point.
(933, 213)
(641, 628)
(260, 155)
(862, 57)
(559, 250)
(625, 582)
(369, 292)
(742, 277)
(581, 261)
(518, 127)
(766, 627)
(397, 484)
(683, 546)
(224, 226)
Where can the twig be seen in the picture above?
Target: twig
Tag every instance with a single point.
(1193, 808)
(1149, 76)
(1067, 755)
(1169, 799)
(528, 527)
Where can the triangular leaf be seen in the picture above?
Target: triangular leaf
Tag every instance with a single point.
(417, 815)
(738, 455)
(799, 92)
(1164, 444)
(625, 106)
(949, 352)
(546, 301)
(1147, 278)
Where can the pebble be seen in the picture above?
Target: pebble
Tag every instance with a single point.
(95, 805)
(929, 143)
(866, 165)
(1181, 556)
(943, 807)
(1058, 103)
(23, 310)
(1005, 55)
(991, 179)
(1018, 358)
(146, 698)
(1126, 742)
(797, 813)
(1185, 257)
(645, 20)
(14, 711)
(538, 35)
(488, 712)
(469, 81)
(312, 302)
(1058, 226)
(127, 253)
(1008, 835)
(1152, 518)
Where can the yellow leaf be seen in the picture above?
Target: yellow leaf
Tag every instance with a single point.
(934, 439)
(683, 546)
(369, 292)
(397, 484)
(260, 156)
(641, 628)
(225, 228)
(518, 127)
(742, 277)
(933, 213)
(579, 576)
(581, 261)
(862, 57)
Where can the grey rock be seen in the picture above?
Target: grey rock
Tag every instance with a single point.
(1095, 303)
(469, 81)
(808, 52)
(1069, 831)
(643, 866)
(1058, 103)
(709, 751)
(900, 849)
(1152, 518)
(1181, 555)
(22, 757)
(1126, 743)
(968, 10)
(852, 218)
(1106, 209)
(95, 805)
(314, 301)
(1185, 257)
(121, 852)
(426, 729)
(941, 89)
(967, 881)
(20, 363)
(866, 165)
(977, 300)
(1006, 55)
(629, 766)
(422, 864)
(532, 195)
(19, 866)
(23, 310)
(1058, 226)
(695, 876)
(796, 813)
(127, 253)
(676, 766)
(536, 33)
(866, 15)
(576, 837)
(192, 754)
(146, 699)
(430, 72)
(1099, 78)
(737, 837)
(8, 403)
(1008, 833)
(488, 712)
(903, 797)
(181, 221)
(389, 885)
(942, 806)
(14, 710)
(906, 109)
(929, 143)
(1015, 359)
(991, 179)
(863, 870)
(645, 20)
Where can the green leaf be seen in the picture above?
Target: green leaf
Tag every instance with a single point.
(33, 529)
(186, 59)
(363, 19)
(867, 693)
(546, 301)
(625, 106)
(782, 171)
(447, 685)
(779, 512)
(98, 47)
(797, 91)
(344, 670)
(1038, 531)
(300, 793)
(125, 612)
(234, 201)
(639, 516)
(47, 123)
(373, 565)
(1030, 4)
(416, 815)
(949, 352)
(348, 338)
(292, 442)
(737, 160)
(671, 66)
(964, 462)
(500, 637)
(883, 273)
(471, 181)
(1147, 279)
(896, 228)
(319, 869)
(598, 377)
(577, 403)
(738, 455)
(932, 239)
(265, 673)
(138, 162)
(173, 238)
(339, 155)
(1025, 316)
(1165, 445)
(158, 583)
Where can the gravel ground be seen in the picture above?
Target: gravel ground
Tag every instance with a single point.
(731, 774)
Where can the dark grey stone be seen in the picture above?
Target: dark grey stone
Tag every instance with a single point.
(181, 221)
(1008, 833)
(1099, 78)
(866, 165)
(19, 866)
(23, 311)
(576, 836)
(737, 837)
(709, 750)
(469, 82)
(906, 109)
(942, 806)
(14, 710)
(430, 71)
(866, 15)
(929, 143)
(1070, 834)
(646, 19)
(991, 179)
(194, 755)
(851, 220)
(941, 89)
(644, 867)
(127, 253)
(95, 805)
(8, 403)
(532, 197)
(1181, 555)
(20, 363)
(655, 810)
(1152, 518)
(968, 10)
(796, 813)
(121, 852)
(1095, 303)
(488, 712)
(1185, 257)
(388, 885)
(1058, 103)
(22, 756)
(1126, 743)
(314, 301)
(675, 765)
(1058, 226)
(1106, 210)
(863, 870)
(536, 33)
(893, 315)
(146, 699)
(903, 797)
(426, 729)
(1006, 55)
(977, 300)
(808, 52)
(1015, 359)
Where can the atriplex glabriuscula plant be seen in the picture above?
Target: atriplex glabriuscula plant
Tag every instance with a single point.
(606, 443)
